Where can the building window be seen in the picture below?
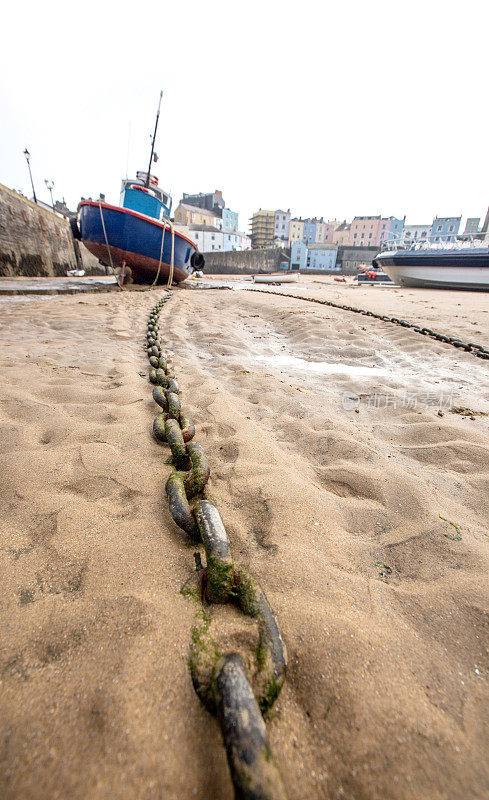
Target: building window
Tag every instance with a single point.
(438, 228)
(451, 228)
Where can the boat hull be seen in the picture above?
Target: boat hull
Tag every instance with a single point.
(133, 240)
(438, 269)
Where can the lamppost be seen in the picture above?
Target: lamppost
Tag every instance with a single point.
(27, 158)
(50, 187)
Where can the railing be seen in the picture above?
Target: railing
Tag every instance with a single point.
(461, 242)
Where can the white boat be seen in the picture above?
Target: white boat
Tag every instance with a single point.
(292, 277)
(444, 265)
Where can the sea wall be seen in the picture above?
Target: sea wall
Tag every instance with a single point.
(244, 262)
(36, 242)
(252, 262)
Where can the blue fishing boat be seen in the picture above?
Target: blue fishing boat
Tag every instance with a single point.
(137, 238)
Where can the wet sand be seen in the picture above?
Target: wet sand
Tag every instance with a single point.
(331, 466)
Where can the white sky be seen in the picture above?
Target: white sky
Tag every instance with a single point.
(330, 109)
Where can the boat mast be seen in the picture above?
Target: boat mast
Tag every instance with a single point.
(153, 140)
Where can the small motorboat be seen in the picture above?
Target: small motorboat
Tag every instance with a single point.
(137, 238)
(372, 274)
(441, 265)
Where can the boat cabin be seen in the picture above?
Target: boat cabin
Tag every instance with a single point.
(145, 199)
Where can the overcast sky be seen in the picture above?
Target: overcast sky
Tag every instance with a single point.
(329, 109)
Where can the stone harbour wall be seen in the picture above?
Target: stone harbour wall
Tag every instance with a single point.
(243, 262)
(36, 242)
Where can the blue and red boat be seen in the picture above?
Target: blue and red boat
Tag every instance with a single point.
(137, 238)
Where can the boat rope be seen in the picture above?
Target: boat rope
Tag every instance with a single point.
(237, 690)
(172, 258)
(108, 246)
(470, 347)
(161, 255)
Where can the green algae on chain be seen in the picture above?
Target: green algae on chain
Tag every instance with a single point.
(220, 564)
(221, 682)
(254, 771)
(173, 405)
(159, 396)
(159, 427)
(187, 426)
(177, 445)
(179, 505)
(204, 654)
(197, 477)
(271, 655)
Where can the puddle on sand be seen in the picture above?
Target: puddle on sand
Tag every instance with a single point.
(321, 367)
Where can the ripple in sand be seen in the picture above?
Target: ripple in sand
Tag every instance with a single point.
(320, 367)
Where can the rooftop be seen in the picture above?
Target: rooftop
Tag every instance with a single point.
(209, 228)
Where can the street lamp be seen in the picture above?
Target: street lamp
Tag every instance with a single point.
(27, 158)
(50, 187)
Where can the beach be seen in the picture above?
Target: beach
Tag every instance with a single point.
(350, 462)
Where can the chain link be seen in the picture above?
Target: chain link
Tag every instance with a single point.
(470, 347)
(235, 691)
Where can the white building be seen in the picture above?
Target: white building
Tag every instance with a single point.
(209, 238)
(206, 237)
(413, 233)
(236, 240)
(282, 222)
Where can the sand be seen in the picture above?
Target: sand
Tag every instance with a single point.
(331, 466)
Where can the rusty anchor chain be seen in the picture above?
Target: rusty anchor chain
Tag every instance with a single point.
(237, 691)
(470, 347)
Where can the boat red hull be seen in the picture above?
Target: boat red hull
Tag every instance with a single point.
(143, 268)
(119, 236)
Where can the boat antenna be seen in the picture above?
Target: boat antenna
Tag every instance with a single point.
(153, 140)
(128, 146)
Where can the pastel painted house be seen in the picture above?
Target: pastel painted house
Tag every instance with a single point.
(229, 219)
(324, 232)
(445, 229)
(296, 230)
(364, 231)
(322, 256)
(298, 255)
(314, 256)
(309, 234)
(282, 224)
(390, 230)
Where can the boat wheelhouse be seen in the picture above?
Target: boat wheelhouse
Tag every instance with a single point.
(142, 194)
